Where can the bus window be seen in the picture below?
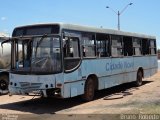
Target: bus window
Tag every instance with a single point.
(46, 55)
(128, 46)
(88, 45)
(152, 47)
(71, 52)
(102, 45)
(117, 50)
(137, 46)
(145, 46)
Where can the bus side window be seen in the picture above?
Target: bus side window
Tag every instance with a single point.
(152, 47)
(128, 46)
(137, 46)
(71, 52)
(66, 47)
(70, 47)
(117, 48)
(88, 45)
(103, 49)
(145, 46)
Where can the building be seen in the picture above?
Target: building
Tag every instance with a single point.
(3, 34)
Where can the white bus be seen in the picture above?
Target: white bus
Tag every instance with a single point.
(66, 60)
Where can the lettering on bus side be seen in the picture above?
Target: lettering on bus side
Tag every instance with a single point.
(119, 66)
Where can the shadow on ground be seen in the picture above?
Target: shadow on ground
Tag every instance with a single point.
(53, 105)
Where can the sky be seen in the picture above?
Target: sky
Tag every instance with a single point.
(141, 17)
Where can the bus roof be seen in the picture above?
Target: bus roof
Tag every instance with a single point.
(93, 29)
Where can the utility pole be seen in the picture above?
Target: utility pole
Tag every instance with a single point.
(119, 13)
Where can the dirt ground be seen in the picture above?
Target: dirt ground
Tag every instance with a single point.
(138, 100)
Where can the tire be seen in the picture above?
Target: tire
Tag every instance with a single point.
(4, 82)
(139, 79)
(89, 90)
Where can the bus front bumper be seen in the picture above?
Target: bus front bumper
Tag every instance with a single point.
(26, 84)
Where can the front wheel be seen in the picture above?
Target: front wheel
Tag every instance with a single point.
(4, 81)
(139, 78)
(89, 90)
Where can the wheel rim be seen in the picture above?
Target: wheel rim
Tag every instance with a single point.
(3, 85)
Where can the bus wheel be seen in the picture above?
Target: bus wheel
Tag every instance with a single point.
(139, 78)
(89, 90)
(4, 81)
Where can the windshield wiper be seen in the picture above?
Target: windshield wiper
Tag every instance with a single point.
(38, 43)
(8, 39)
(5, 40)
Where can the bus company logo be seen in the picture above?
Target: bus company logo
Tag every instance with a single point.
(119, 66)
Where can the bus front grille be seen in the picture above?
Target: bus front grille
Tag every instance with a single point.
(27, 85)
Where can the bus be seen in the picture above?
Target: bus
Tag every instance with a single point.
(66, 60)
(5, 57)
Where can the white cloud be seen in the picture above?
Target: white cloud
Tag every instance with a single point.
(3, 18)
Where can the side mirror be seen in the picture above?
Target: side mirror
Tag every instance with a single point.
(4, 40)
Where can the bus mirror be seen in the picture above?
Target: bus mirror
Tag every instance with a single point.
(5, 40)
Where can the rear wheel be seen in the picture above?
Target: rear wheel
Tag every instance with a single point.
(89, 90)
(4, 81)
(139, 78)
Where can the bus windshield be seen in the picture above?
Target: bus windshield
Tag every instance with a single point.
(37, 55)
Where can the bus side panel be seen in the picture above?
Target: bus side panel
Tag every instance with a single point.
(117, 66)
(99, 67)
(147, 73)
(121, 72)
(73, 89)
(73, 83)
(117, 71)
(148, 63)
(128, 66)
(147, 69)
(141, 62)
(110, 72)
(66, 90)
(114, 80)
(77, 88)
(153, 65)
(101, 81)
